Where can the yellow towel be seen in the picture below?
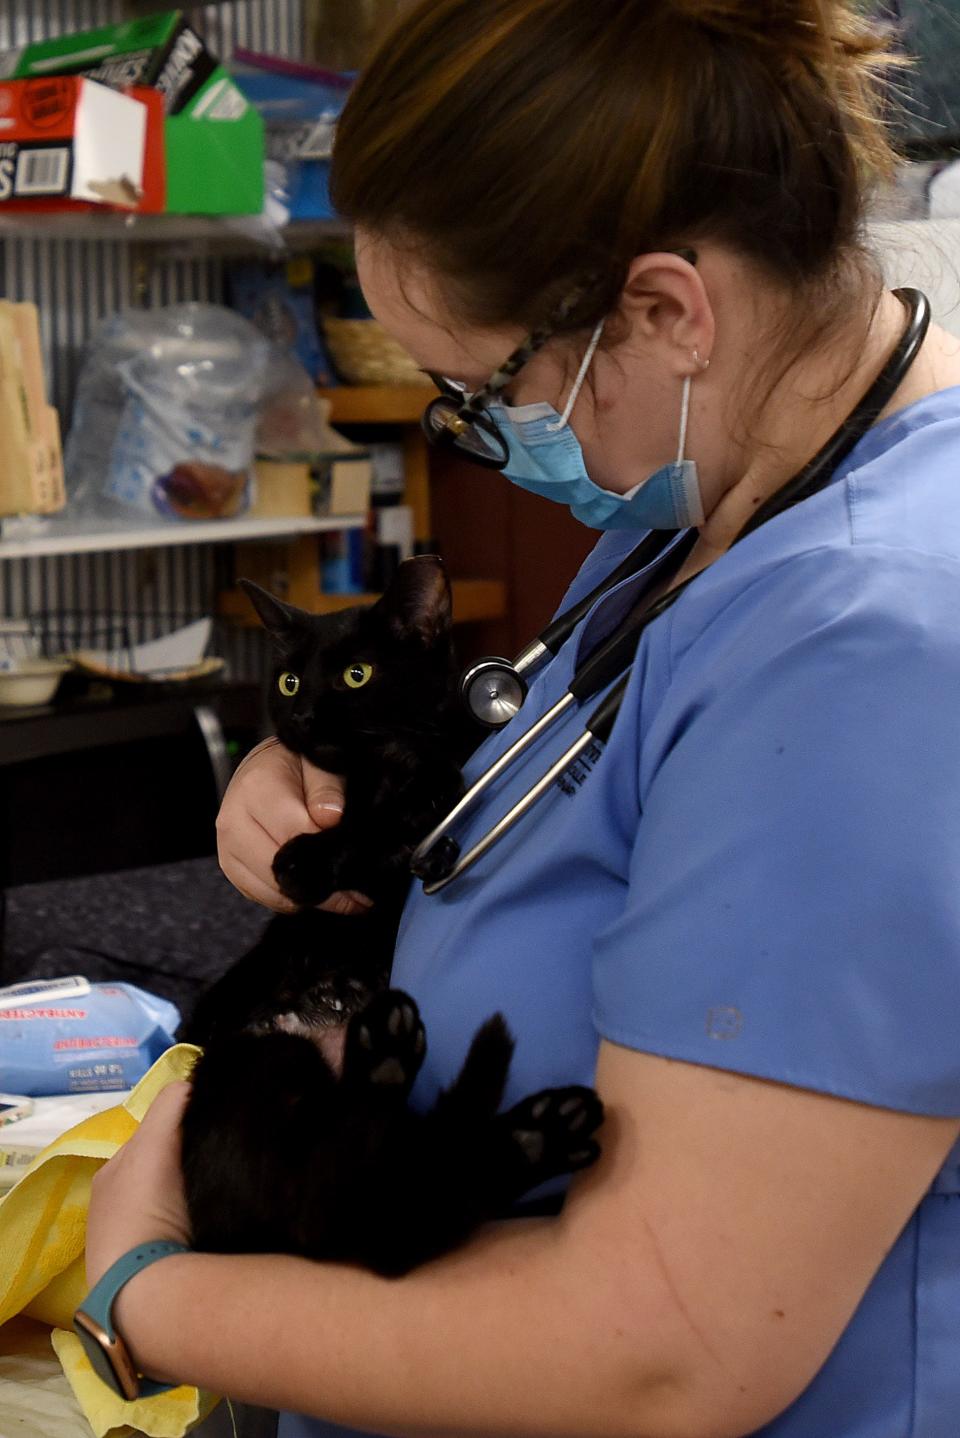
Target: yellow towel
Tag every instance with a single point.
(42, 1225)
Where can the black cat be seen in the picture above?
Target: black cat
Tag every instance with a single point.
(298, 1137)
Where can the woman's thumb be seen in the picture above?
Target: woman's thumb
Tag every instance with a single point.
(322, 795)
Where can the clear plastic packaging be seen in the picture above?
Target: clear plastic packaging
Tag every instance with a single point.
(293, 418)
(165, 416)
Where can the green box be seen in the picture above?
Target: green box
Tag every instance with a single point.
(161, 51)
(215, 153)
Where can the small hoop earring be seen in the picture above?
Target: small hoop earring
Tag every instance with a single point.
(701, 364)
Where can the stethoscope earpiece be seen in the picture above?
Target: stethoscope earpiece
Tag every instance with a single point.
(492, 691)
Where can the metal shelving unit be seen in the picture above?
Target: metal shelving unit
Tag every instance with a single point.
(174, 234)
(215, 531)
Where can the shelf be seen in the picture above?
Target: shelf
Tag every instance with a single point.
(89, 723)
(214, 531)
(473, 599)
(378, 404)
(238, 233)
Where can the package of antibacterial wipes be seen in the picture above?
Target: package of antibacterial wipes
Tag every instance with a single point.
(72, 1036)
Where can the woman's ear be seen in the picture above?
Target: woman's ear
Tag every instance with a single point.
(666, 305)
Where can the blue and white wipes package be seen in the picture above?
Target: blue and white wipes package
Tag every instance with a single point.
(72, 1036)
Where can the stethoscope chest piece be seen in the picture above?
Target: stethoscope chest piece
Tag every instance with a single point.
(493, 692)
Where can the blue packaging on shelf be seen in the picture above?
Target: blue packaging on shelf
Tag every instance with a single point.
(342, 562)
(74, 1036)
(277, 297)
(299, 105)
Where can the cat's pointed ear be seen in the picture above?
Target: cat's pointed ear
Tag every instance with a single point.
(283, 622)
(418, 603)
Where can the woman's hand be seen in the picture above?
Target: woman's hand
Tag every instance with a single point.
(274, 796)
(138, 1195)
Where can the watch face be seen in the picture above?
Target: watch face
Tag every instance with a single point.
(108, 1356)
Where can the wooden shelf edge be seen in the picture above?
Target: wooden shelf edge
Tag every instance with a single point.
(473, 599)
(378, 404)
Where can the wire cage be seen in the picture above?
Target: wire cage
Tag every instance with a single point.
(18, 641)
(155, 646)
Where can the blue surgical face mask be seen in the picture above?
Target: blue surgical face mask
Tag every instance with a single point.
(546, 458)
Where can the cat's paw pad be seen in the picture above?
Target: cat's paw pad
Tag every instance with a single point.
(386, 1042)
(298, 870)
(553, 1129)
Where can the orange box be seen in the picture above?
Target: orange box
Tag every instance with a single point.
(65, 139)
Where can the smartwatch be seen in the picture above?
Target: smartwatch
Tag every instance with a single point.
(102, 1344)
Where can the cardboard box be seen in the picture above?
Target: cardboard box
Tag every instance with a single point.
(32, 481)
(46, 495)
(350, 482)
(160, 51)
(67, 138)
(54, 445)
(213, 139)
(215, 153)
(283, 490)
(19, 461)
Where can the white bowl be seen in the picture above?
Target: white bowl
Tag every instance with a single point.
(34, 681)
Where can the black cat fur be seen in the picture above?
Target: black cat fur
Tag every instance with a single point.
(298, 1137)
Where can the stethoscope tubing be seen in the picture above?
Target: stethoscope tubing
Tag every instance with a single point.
(600, 669)
(489, 776)
(619, 651)
(496, 671)
(502, 826)
(597, 728)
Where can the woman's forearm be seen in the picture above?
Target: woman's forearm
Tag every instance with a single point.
(509, 1336)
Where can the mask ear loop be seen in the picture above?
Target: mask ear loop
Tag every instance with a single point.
(701, 364)
(578, 382)
(684, 417)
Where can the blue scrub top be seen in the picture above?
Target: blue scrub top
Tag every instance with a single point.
(760, 871)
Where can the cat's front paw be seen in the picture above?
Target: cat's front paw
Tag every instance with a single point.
(385, 1044)
(553, 1131)
(300, 870)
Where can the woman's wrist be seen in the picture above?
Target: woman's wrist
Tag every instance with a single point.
(143, 1313)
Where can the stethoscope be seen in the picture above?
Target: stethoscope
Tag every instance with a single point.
(493, 689)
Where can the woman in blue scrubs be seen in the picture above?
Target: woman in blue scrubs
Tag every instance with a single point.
(740, 917)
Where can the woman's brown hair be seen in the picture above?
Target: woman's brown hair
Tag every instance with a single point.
(526, 144)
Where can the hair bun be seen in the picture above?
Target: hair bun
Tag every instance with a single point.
(818, 31)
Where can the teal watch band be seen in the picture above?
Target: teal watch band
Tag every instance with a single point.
(93, 1323)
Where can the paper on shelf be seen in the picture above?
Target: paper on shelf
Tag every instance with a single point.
(179, 650)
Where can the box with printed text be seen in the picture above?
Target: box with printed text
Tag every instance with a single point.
(66, 138)
(210, 136)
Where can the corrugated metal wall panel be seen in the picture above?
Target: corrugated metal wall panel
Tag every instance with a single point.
(76, 284)
(111, 599)
(275, 25)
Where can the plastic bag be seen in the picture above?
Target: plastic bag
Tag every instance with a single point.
(165, 416)
(73, 1036)
(293, 421)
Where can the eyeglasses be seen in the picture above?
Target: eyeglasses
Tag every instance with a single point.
(458, 421)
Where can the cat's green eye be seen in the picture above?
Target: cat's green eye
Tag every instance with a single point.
(288, 684)
(356, 675)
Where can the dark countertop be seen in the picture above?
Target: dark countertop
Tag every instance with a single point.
(171, 928)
